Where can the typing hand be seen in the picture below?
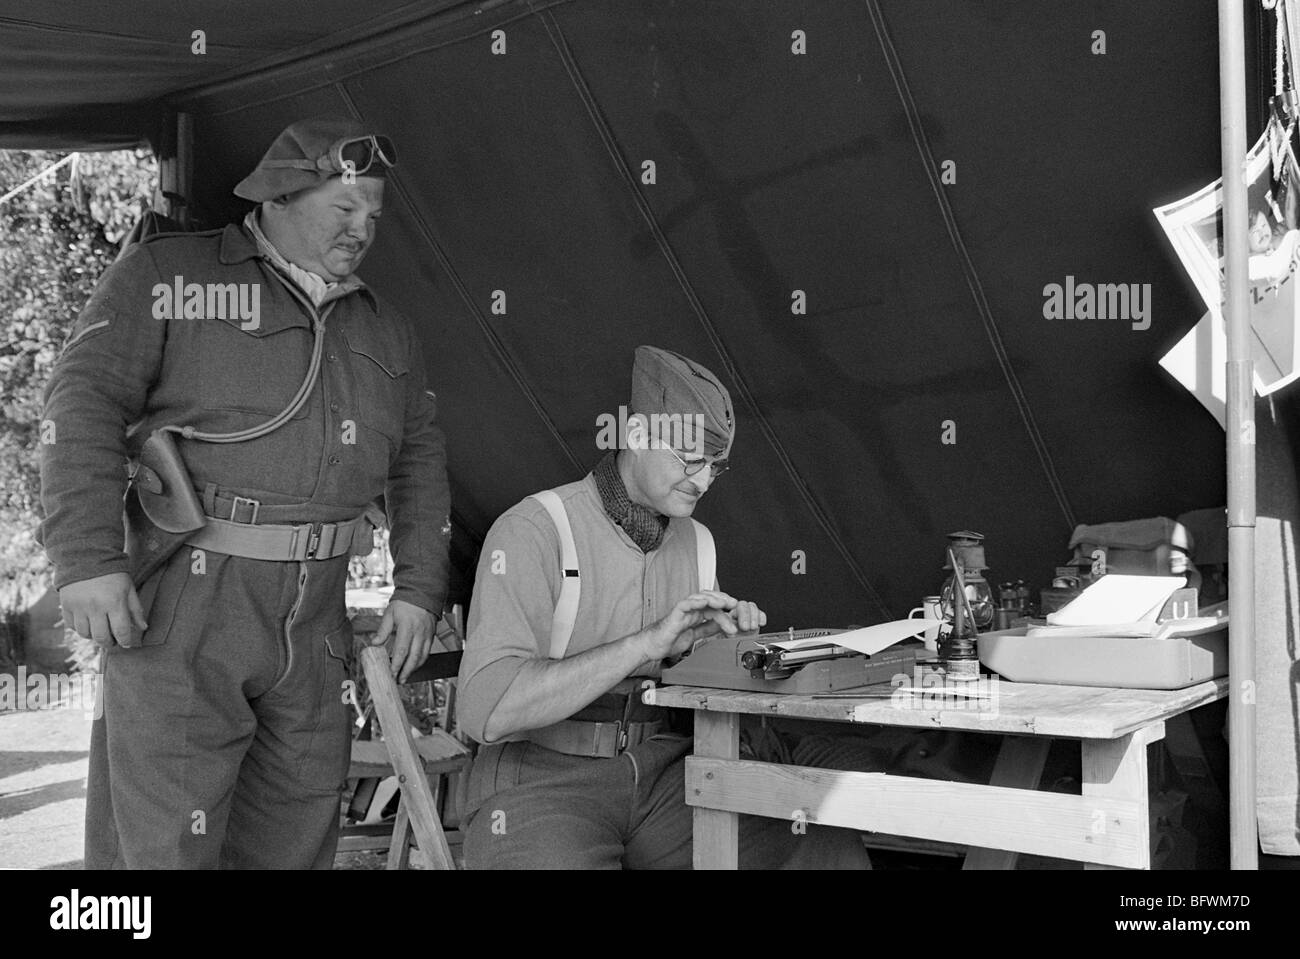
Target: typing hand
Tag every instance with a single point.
(697, 617)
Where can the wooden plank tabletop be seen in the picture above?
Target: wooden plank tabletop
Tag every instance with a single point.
(1027, 709)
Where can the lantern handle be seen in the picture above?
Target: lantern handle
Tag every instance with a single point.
(964, 601)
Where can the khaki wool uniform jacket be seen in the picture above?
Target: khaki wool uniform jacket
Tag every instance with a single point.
(368, 428)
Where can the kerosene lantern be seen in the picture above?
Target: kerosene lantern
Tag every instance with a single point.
(968, 548)
(967, 604)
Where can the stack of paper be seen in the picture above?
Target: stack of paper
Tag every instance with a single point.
(1124, 607)
(1119, 602)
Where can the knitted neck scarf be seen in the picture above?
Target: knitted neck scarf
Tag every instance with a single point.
(643, 525)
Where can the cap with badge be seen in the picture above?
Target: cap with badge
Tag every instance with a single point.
(309, 152)
(668, 383)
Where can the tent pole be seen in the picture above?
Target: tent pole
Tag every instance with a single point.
(175, 168)
(1241, 440)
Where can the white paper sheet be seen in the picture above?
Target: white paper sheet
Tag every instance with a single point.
(1198, 361)
(869, 640)
(1147, 629)
(1117, 599)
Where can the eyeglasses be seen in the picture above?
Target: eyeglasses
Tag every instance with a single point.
(353, 155)
(716, 468)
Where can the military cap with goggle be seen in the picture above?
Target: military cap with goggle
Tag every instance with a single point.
(309, 152)
(348, 155)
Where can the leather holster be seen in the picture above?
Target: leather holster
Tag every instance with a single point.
(162, 509)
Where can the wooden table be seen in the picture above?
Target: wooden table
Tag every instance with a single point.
(1107, 826)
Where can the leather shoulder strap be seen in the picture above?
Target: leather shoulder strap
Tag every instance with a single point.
(566, 608)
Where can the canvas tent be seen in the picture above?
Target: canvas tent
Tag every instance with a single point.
(921, 172)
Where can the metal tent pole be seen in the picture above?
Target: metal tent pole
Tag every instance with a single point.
(1241, 440)
(176, 168)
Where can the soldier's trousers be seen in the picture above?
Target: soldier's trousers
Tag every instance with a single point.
(224, 738)
(534, 808)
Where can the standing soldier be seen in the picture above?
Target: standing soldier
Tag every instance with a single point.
(263, 396)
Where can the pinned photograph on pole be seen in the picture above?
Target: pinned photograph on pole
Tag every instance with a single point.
(1194, 226)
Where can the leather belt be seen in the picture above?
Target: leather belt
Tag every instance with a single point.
(285, 543)
(597, 740)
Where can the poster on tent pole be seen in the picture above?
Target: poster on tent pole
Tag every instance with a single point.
(1194, 226)
(1199, 361)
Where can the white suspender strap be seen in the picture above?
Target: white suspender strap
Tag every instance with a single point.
(566, 609)
(705, 555)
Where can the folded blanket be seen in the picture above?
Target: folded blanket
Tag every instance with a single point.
(1140, 534)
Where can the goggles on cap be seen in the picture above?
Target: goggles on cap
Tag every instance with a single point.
(349, 155)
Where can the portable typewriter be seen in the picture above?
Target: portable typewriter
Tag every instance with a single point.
(789, 662)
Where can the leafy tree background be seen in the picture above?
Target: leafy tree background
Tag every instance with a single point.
(56, 238)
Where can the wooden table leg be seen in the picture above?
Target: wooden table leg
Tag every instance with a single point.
(716, 833)
(1117, 769)
(1020, 766)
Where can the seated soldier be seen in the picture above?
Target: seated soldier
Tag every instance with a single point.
(575, 771)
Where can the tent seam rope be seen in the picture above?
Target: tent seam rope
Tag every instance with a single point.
(62, 30)
(611, 146)
(494, 341)
(967, 264)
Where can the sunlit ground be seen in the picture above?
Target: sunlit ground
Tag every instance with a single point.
(43, 760)
(43, 765)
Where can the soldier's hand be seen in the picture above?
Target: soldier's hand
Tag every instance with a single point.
(104, 609)
(748, 616)
(697, 617)
(412, 629)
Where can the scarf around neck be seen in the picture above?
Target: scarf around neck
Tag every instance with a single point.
(310, 283)
(643, 525)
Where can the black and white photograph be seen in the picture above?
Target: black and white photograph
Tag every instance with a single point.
(574, 435)
(1195, 229)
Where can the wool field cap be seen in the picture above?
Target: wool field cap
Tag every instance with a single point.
(309, 152)
(668, 383)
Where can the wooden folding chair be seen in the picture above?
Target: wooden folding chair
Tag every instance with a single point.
(414, 761)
